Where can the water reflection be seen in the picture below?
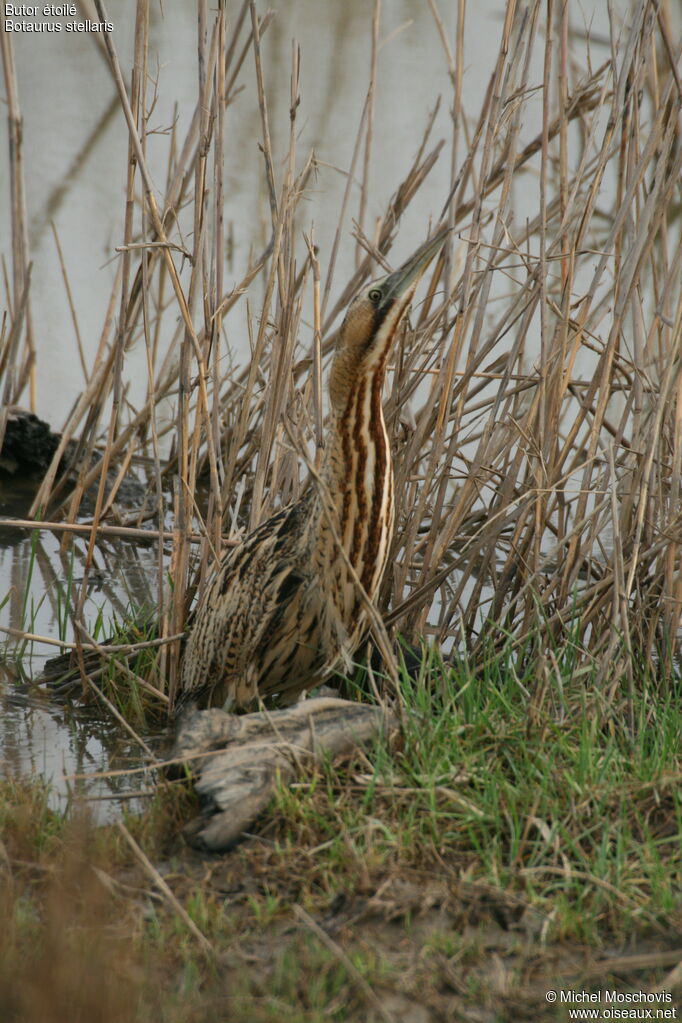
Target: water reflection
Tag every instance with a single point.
(38, 735)
(43, 739)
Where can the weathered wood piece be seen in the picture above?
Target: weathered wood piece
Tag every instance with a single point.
(252, 749)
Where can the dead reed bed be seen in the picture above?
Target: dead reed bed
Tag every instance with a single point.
(534, 402)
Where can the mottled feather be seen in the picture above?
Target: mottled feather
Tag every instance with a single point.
(284, 611)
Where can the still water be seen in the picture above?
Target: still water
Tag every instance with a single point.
(75, 145)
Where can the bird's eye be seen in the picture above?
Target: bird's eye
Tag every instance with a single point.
(374, 295)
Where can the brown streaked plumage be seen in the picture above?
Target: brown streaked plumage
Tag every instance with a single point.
(283, 610)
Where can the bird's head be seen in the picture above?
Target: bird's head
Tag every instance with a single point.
(373, 318)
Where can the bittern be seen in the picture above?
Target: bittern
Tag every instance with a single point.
(284, 610)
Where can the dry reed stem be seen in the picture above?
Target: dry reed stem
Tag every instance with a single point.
(367, 159)
(348, 965)
(168, 895)
(72, 307)
(539, 472)
(20, 253)
(85, 528)
(108, 648)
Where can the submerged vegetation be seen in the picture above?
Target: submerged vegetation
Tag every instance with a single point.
(524, 831)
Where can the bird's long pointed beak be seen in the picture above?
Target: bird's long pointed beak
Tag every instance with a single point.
(397, 283)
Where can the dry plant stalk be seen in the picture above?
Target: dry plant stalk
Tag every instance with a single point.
(538, 482)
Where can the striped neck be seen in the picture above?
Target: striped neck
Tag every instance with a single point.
(358, 474)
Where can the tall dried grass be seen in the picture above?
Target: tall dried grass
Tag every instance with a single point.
(538, 480)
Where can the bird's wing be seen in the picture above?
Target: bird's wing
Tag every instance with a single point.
(233, 623)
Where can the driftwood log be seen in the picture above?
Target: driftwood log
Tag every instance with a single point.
(236, 760)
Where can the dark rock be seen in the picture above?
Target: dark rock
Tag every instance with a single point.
(29, 443)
